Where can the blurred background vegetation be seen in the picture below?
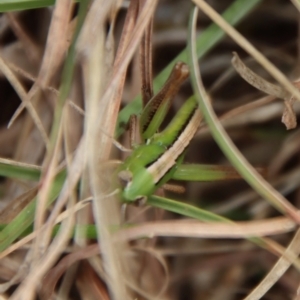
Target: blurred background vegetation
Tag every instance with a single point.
(198, 268)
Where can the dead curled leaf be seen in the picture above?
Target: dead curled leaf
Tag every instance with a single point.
(288, 116)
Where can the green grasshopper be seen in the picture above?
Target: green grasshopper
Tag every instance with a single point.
(159, 159)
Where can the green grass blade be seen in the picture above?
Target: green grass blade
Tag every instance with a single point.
(195, 172)
(229, 149)
(89, 231)
(206, 216)
(19, 172)
(208, 39)
(185, 209)
(26, 217)
(10, 5)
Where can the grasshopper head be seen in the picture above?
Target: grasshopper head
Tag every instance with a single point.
(138, 186)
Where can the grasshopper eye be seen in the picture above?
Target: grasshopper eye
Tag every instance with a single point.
(125, 177)
(140, 202)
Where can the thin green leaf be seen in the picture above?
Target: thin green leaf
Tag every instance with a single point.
(19, 172)
(206, 216)
(185, 209)
(25, 218)
(10, 5)
(229, 149)
(195, 172)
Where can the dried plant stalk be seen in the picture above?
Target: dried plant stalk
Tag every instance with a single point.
(288, 116)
